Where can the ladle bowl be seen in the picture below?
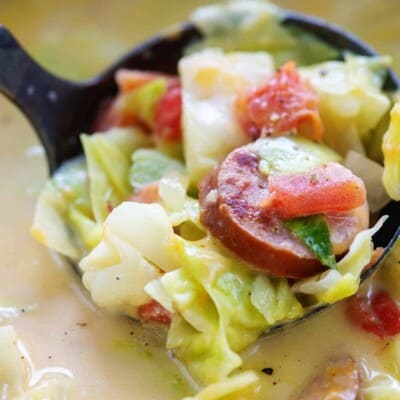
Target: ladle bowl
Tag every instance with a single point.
(60, 110)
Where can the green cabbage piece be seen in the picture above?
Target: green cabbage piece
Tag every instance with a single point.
(15, 373)
(274, 299)
(108, 161)
(11, 366)
(256, 26)
(352, 102)
(391, 155)
(291, 155)
(334, 285)
(63, 219)
(150, 165)
(220, 307)
(79, 196)
(240, 386)
(142, 102)
(116, 271)
(389, 273)
(380, 387)
(313, 231)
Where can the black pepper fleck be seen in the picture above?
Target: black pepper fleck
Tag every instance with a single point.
(268, 371)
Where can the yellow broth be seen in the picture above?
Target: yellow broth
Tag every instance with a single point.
(112, 357)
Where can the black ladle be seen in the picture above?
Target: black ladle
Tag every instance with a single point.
(60, 110)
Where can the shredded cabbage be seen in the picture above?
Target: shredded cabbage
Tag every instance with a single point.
(291, 155)
(371, 173)
(150, 165)
(79, 196)
(63, 218)
(379, 386)
(220, 307)
(389, 273)
(253, 25)
(334, 285)
(241, 386)
(351, 100)
(274, 299)
(12, 372)
(108, 162)
(116, 271)
(391, 155)
(15, 373)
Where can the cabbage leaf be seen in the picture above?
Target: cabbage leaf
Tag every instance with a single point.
(334, 285)
(63, 218)
(132, 252)
(391, 155)
(108, 162)
(240, 386)
(150, 165)
(380, 387)
(253, 25)
(15, 373)
(220, 307)
(352, 102)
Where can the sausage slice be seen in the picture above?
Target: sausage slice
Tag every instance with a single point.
(231, 199)
(339, 381)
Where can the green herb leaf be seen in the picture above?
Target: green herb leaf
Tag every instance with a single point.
(314, 233)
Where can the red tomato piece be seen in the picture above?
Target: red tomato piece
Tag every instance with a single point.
(378, 314)
(128, 80)
(147, 194)
(108, 116)
(154, 312)
(167, 115)
(286, 103)
(331, 188)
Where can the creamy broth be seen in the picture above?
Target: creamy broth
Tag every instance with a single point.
(112, 357)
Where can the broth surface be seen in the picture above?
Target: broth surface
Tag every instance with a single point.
(112, 357)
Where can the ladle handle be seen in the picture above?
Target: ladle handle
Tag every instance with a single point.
(42, 97)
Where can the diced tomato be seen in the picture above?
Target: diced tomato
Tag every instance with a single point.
(167, 116)
(284, 104)
(154, 312)
(378, 314)
(128, 80)
(330, 188)
(108, 116)
(147, 194)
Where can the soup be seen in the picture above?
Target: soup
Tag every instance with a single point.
(103, 356)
